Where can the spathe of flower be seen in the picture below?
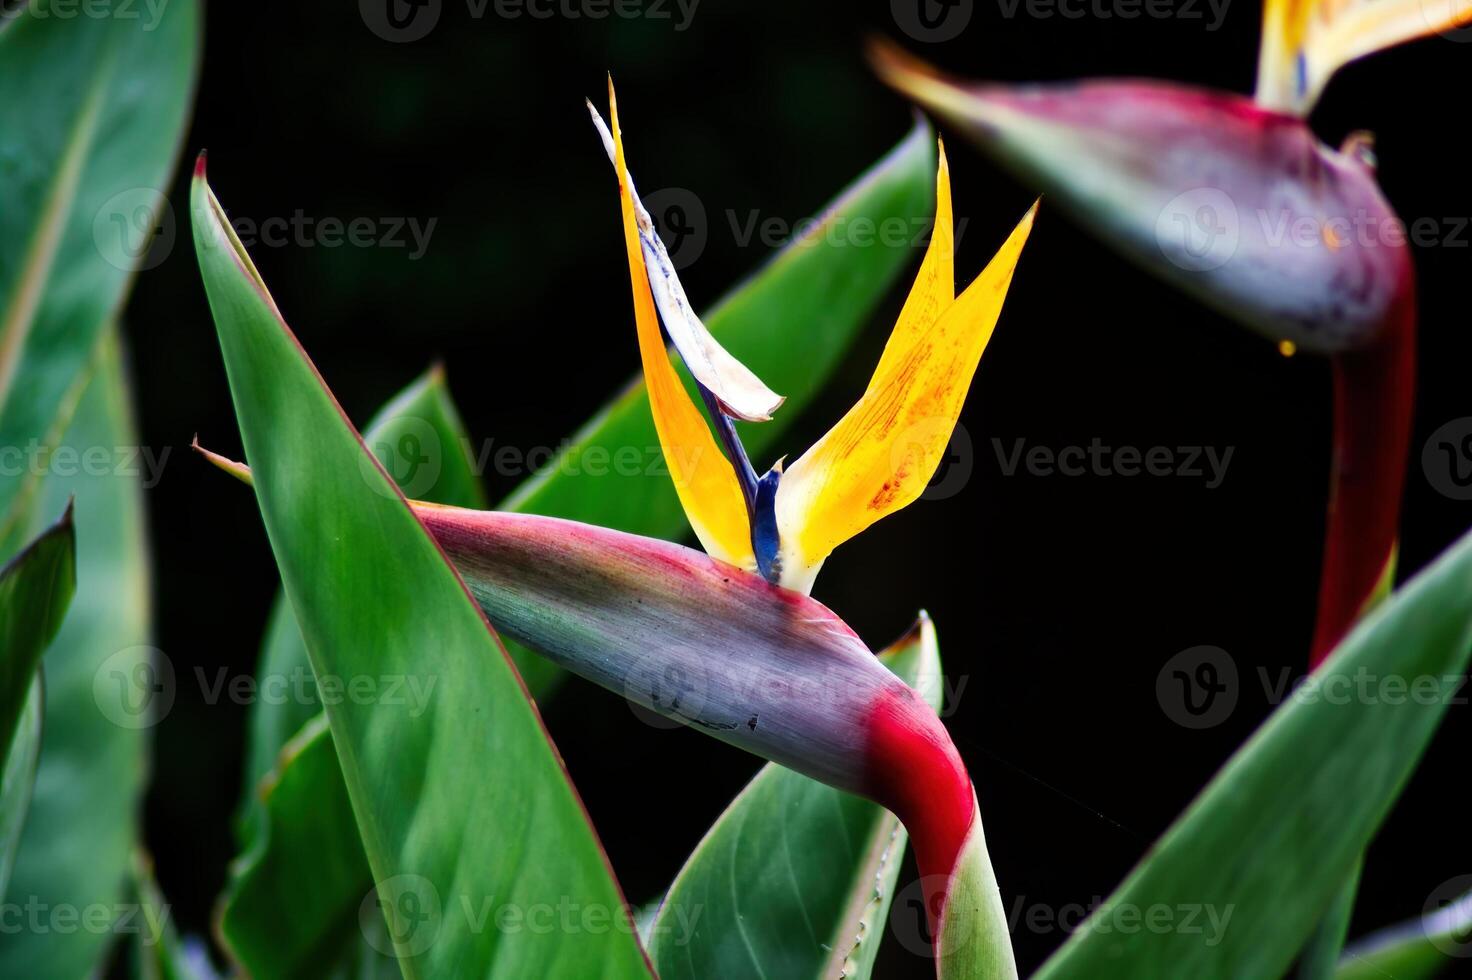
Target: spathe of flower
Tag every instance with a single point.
(1237, 202)
(766, 669)
(880, 455)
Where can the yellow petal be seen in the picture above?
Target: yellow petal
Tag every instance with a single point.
(882, 454)
(935, 284)
(1304, 42)
(703, 478)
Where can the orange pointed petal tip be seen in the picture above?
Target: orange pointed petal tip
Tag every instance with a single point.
(704, 480)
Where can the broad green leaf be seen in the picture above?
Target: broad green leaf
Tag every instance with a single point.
(1258, 856)
(466, 814)
(103, 688)
(94, 110)
(795, 878)
(35, 589)
(1417, 950)
(419, 438)
(17, 775)
(312, 844)
(791, 323)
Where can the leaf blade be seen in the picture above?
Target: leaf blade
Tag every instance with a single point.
(346, 550)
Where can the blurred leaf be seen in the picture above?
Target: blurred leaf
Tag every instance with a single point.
(103, 689)
(462, 803)
(17, 775)
(419, 438)
(791, 323)
(90, 126)
(1259, 855)
(795, 878)
(1415, 950)
(157, 952)
(35, 589)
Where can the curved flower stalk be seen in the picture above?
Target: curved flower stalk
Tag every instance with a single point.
(875, 461)
(1237, 202)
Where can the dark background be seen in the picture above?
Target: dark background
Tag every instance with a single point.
(1058, 599)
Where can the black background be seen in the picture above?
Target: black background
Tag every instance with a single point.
(1058, 599)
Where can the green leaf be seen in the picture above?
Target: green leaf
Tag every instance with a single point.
(295, 906)
(35, 589)
(17, 775)
(100, 698)
(89, 132)
(791, 323)
(466, 814)
(157, 952)
(312, 845)
(795, 878)
(1257, 858)
(419, 438)
(1415, 950)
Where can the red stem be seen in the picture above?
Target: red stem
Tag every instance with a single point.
(916, 773)
(1374, 391)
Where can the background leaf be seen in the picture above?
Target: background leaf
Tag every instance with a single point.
(89, 134)
(464, 809)
(1291, 812)
(795, 878)
(419, 438)
(35, 589)
(103, 688)
(1417, 950)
